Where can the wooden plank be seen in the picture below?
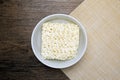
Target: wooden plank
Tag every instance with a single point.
(101, 18)
(17, 20)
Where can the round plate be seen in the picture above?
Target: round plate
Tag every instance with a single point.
(36, 41)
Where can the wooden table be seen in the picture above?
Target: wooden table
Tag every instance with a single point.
(17, 20)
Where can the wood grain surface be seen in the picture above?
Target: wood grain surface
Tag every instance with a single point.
(101, 18)
(17, 20)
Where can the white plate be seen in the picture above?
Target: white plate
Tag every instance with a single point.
(36, 41)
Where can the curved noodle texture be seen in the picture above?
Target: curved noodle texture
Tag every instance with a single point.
(59, 40)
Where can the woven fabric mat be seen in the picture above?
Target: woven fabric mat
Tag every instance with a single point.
(101, 18)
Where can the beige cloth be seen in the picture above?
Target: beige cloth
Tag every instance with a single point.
(101, 18)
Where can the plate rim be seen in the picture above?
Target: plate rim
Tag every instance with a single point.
(64, 15)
